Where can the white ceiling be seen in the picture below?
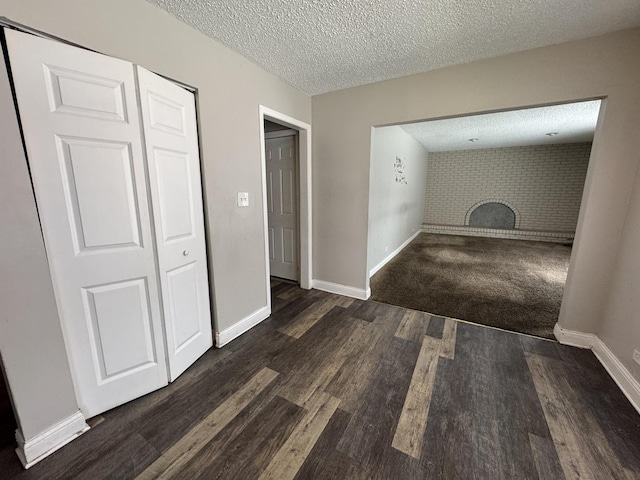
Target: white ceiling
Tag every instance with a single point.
(574, 122)
(324, 45)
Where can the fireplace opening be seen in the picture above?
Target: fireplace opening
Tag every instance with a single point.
(492, 214)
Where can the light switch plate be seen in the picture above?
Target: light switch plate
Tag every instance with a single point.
(243, 199)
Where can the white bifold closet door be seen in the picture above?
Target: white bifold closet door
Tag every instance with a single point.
(171, 138)
(130, 311)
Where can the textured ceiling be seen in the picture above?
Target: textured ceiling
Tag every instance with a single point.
(574, 122)
(324, 45)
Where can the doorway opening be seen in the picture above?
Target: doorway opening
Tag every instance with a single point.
(281, 156)
(286, 191)
(474, 217)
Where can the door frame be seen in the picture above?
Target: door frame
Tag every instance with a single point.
(305, 202)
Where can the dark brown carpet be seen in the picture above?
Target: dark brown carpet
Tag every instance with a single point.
(511, 284)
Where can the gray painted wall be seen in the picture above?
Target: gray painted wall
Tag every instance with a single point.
(395, 207)
(31, 344)
(620, 326)
(230, 90)
(606, 66)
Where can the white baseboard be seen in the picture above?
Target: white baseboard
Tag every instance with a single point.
(33, 450)
(388, 258)
(340, 289)
(573, 338)
(623, 378)
(247, 323)
(627, 383)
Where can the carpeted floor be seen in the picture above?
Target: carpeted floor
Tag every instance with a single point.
(511, 284)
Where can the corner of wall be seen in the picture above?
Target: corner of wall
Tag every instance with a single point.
(35, 449)
(339, 289)
(620, 374)
(244, 325)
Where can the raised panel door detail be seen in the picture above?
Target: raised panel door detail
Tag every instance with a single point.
(174, 193)
(269, 192)
(272, 243)
(79, 93)
(120, 325)
(98, 179)
(286, 153)
(288, 245)
(282, 207)
(183, 300)
(288, 192)
(166, 115)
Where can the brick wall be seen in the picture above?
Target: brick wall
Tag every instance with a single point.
(544, 183)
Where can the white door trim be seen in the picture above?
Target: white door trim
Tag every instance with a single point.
(304, 172)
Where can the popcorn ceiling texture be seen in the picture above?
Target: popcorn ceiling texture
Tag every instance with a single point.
(574, 122)
(324, 45)
(544, 183)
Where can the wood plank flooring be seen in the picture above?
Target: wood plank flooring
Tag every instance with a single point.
(335, 388)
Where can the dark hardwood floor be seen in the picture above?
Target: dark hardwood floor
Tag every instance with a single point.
(336, 388)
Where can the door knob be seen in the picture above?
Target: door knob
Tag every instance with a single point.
(185, 252)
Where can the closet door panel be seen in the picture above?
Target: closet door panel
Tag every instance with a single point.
(173, 177)
(82, 133)
(113, 309)
(182, 288)
(98, 179)
(171, 138)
